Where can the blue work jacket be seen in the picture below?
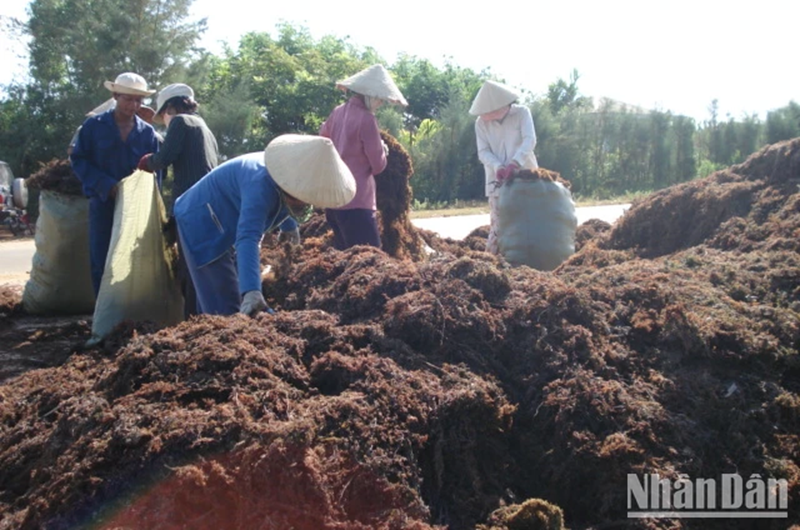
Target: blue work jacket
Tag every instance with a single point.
(232, 206)
(101, 159)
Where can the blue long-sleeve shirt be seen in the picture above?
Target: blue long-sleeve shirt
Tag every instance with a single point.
(232, 206)
(101, 159)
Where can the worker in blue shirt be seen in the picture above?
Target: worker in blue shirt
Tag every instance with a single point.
(222, 218)
(107, 150)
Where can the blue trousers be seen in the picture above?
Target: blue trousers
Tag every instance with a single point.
(216, 284)
(353, 227)
(101, 221)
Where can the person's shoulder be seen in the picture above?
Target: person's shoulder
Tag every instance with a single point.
(94, 127)
(516, 108)
(248, 161)
(144, 126)
(98, 120)
(185, 119)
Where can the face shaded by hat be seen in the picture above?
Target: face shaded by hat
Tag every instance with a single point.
(168, 93)
(491, 97)
(310, 169)
(374, 82)
(129, 83)
(146, 113)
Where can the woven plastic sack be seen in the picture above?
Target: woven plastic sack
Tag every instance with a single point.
(139, 279)
(61, 280)
(536, 223)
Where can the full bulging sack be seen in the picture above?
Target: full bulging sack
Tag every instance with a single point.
(61, 280)
(536, 223)
(139, 279)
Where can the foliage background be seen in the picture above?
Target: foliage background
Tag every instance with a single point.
(272, 84)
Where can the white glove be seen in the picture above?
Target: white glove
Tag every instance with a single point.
(292, 236)
(385, 148)
(253, 303)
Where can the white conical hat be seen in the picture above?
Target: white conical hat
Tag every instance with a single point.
(309, 169)
(375, 82)
(491, 97)
(101, 108)
(146, 113)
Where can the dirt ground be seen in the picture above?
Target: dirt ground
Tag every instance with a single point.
(433, 385)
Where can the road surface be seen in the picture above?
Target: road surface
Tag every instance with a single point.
(459, 226)
(16, 255)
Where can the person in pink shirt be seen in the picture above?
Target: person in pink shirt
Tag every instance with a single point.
(354, 131)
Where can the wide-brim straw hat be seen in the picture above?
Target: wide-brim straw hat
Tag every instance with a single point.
(172, 91)
(129, 83)
(375, 82)
(310, 169)
(491, 97)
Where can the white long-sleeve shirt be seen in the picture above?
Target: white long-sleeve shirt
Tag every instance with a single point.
(501, 142)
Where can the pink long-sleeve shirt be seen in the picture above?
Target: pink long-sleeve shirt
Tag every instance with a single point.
(355, 134)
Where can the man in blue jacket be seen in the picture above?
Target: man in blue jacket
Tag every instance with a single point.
(107, 150)
(222, 218)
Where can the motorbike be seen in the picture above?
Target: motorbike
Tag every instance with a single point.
(16, 219)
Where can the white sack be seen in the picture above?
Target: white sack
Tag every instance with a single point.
(536, 223)
(61, 277)
(138, 280)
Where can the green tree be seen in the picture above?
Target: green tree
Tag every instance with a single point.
(660, 148)
(70, 61)
(563, 94)
(685, 159)
(783, 123)
(285, 84)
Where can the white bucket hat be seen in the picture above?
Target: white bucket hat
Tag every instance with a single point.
(309, 169)
(491, 97)
(129, 83)
(375, 82)
(172, 91)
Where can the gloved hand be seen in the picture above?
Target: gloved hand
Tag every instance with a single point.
(292, 236)
(253, 303)
(144, 162)
(502, 174)
(505, 172)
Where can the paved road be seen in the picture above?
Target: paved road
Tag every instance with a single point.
(458, 227)
(15, 260)
(16, 256)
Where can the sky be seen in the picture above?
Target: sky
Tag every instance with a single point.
(673, 55)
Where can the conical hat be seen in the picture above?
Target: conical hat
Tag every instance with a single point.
(146, 113)
(101, 108)
(492, 96)
(309, 169)
(375, 82)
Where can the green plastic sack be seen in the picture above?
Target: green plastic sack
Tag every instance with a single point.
(139, 279)
(61, 280)
(536, 223)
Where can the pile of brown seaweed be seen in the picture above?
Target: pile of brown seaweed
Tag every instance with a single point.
(452, 392)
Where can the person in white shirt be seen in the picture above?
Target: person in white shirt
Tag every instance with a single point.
(506, 139)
